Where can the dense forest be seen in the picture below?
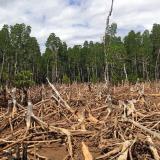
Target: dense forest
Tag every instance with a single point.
(137, 55)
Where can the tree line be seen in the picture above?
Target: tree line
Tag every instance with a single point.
(137, 55)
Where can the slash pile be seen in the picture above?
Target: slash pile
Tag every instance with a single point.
(82, 121)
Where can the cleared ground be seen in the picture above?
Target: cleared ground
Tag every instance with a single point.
(82, 121)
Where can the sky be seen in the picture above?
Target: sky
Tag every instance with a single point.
(75, 21)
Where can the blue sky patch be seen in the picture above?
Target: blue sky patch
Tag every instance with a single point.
(74, 2)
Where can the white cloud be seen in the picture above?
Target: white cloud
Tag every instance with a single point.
(77, 20)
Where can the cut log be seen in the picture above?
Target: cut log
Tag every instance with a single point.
(29, 115)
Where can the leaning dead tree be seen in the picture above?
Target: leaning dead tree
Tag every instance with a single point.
(106, 43)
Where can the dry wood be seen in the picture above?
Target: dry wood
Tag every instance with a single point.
(29, 115)
(59, 96)
(109, 154)
(153, 149)
(125, 150)
(92, 119)
(154, 134)
(86, 153)
(53, 122)
(56, 129)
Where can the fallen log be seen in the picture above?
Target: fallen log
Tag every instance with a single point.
(154, 134)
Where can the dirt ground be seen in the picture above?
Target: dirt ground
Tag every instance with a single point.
(82, 121)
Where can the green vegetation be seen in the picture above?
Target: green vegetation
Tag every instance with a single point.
(65, 79)
(23, 79)
(21, 60)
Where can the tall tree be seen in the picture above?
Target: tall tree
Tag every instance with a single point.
(4, 48)
(54, 45)
(146, 54)
(20, 34)
(106, 43)
(155, 36)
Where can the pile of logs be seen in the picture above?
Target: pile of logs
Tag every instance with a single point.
(82, 121)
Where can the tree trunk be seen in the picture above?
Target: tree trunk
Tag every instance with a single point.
(125, 72)
(106, 74)
(56, 67)
(2, 66)
(157, 66)
(88, 73)
(106, 71)
(135, 66)
(143, 68)
(147, 74)
(47, 69)
(15, 65)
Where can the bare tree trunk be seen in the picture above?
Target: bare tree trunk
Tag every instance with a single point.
(135, 65)
(2, 66)
(96, 70)
(156, 67)
(15, 65)
(88, 73)
(81, 74)
(147, 74)
(33, 71)
(106, 75)
(53, 74)
(125, 72)
(56, 72)
(92, 70)
(47, 68)
(56, 66)
(143, 66)
(106, 72)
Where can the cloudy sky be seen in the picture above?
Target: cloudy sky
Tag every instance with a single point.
(77, 20)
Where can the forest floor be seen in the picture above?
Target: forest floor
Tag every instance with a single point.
(82, 121)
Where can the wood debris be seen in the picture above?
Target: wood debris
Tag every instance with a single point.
(74, 122)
